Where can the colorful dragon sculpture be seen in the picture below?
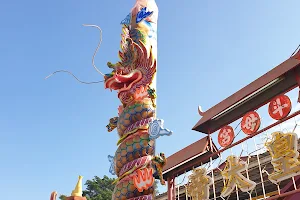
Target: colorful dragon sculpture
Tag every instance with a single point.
(134, 79)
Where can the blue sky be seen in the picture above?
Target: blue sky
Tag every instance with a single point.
(53, 130)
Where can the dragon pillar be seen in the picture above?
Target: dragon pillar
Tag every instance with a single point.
(133, 77)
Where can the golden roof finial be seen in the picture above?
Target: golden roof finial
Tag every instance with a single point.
(77, 192)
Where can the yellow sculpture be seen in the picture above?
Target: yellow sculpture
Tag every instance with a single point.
(199, 183)
(233, 176)
(283, 149)
(77, 192)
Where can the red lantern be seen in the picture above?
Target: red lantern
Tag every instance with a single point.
(226, 136)
(280, 107)
(250, 122)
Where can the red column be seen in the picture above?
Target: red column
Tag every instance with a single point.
(171, 189)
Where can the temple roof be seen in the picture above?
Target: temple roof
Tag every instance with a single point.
(277, 81)
(189, 157)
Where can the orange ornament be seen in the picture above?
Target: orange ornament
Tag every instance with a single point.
(250, 122)
(280, 107)
(226, 136)
(144, 179)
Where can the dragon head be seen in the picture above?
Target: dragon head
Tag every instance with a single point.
(135, 70)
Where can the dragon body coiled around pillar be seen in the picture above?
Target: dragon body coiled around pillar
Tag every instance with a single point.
(133, 77)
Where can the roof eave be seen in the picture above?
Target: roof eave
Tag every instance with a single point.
(277, 72)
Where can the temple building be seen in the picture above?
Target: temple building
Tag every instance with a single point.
(254, 173)
(260, 175)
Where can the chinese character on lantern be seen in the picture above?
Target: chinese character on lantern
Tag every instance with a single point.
(280, 107)
(199, 183)
(283, 149)
(250, 123)
(232, 175)
(226, 136)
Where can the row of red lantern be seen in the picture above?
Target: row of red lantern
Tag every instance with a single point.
(279, 108)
